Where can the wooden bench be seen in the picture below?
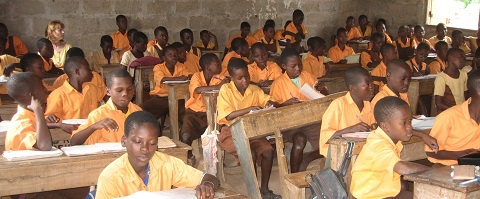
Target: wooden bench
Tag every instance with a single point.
(176, 91)
(419, 87)
(265, 123)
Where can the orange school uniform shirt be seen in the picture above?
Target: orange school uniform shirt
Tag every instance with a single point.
(368, 31)
(279, 35)
(119, 179)
(250, 40)
(283, 88)
(406, 44)
(433, 40)
(259, 34)
(210, 45)
(160, 71)
(196, 101)
(108, 110)
(6, 60)
(47, 65)
(19, 47)
(412, 62)
(354, 33)
(379, 71)
(455, 130)
(230, 99)
(226, 59)
(365, 58)
(120, 41)
(273, 44)
(336, 54)
(372, 174)
(97, 60)
(293, 29)
(192, 63)
(97, 80)
(340, 114)
(22, 132)
(417, 41)
(270, 72)
(385, 92)
(314, 65)
(151, 48)
(67, 103)
(437, 66)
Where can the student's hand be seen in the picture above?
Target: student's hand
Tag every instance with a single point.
(254, 108)
(343, 61)
(52, 119)
(68, 128)
(291, 101)
(264, 83)
(35, 105)
(375, 57)
(431, 142)
(205, 190)
(359, 127)
(320, 86)
(107, 124)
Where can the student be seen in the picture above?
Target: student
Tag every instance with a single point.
(456, 128)
(417, 63)
(271, 44)
(364, 27)
(55, 33)
(350, 113)
(438, 65)
(280, 34)
(262, 72)
(146, 169)
(206, 44)
(441, 35)
(5, 59)
(120, 38)
(239, 50)
(389, 53)
(186, 36)
(238, 98)
(190, 62)
(14, 46)
(105, 124)
(259, 34)
(296, 31)
(155, 46)
(130, 35)
(244, 34)
(451, 84)
(410, 31)
(458, 41)
(170, 70)
(33, 62)
(353, 32)
(107, 55)
(314, 61)
(139, 50)
(76, 98)
(419, 36)
(398, 76)
(380, 27)
(405, 46)
(285, 89)
(195, 119)
(378, 169)
(371, 58)
(28, 129)
(45, 50)
(340, 51)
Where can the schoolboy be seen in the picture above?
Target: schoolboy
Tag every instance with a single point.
(190, 62)
(280, 34)
(145, 169)
(238, 98)
(206, 44)
(285, 89)
(259, 34)
(28, 129)
(381, 28)
(378, 169)
(451, 84)
(314, 61)
(272, 45)
(417, 63)
(405, 45)
(14, 46)
(296, 31)
(438, 65)
(186, 36)
(244, 34)
(45, 50)
(456, 129)
(33, 62)
(371, 58)
(195, 119)
(419, 36)
(107, 55)
(262, 72)
(130, 34)
(170, 70)
(389, 53)
(353, 32)
(105, 124)
(139, 50)
(458, 41)
(365, 27)
(239, 50)
(398, 76)
(338, 52)
(155, 47)
(120, 38)
(441, 30)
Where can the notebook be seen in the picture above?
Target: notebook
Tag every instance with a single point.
(353, 59)
(98, 148)
(31, 154)
(176, 82)
(430, 76)
(75, 121)
(310, 92)
(356, 135)
(423, 123)
(165, 142)
(4, 126)
(183, 193)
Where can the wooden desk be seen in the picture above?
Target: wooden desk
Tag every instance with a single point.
(338, 70)
(211, 106)
(62, 172)
(334, 84)
(226, 193)
(437, 183)
(141, 76)
(176, 92)
(420, 87)
(359, 45)
(105, 68)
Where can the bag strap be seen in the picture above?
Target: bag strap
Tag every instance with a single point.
(328, 160)
(346, 158)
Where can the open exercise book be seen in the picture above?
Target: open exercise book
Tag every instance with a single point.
(183, 193)
(310, 92)
(356, 135)
(31, 154)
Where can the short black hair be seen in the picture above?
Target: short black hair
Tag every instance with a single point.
(362, 17)
(238, 42)
(385, 48)
(456, 32)
(206, 59)
(386, 106)
(439, 25)
(117, 73)
(353, 74)
(75, 52)
(377, 35)
(106, 39)
(340, 30)
(297, 13)
(473, 82)
(73, 63)
(177, 45)
(185, 31)
(350, 18)
(440, 44)
(287, 53)
(423, 46)
(119, 17)
(137, 119)
(417, 27)
(316, 43)
(395, 64)
(28, 59)
(159, 29)
(270, 22)
(453, 51)
(258, 45)
(168, 48)
(20, 84)
(140, 37)
(244, 25)
(268, 26)
(235, 64)
(203, 32)
(42, 42)
(381, 21)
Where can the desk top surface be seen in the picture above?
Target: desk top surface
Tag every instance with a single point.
(441, 177)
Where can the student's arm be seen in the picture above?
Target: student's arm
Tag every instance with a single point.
(405, 168)
(53, 122)
(43, 136)
(208, 186)
(440, 104)
(430, 141)
(241, 112)
(264, 83)
(450, 155)
(359, 127)
(201, 89)
(82, 136)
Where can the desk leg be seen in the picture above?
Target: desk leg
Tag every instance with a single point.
(173, 112)
(414, 95)
(138, 87)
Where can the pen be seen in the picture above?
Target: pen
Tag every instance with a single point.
(415, 67)
(470, 181)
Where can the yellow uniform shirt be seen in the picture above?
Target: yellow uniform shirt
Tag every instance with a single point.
(119, 179)
(47, 65)
(412, 62)
(270, 72)
(160, 71)
(314, 65)
(192, 63)
(120, 41)
(293, 29)
(226, 59)
(22, 132)
(340, 114)
(230, 99)
(354, 33)
(60, 56)
(152, 50)
(433, 40)
(455, 130)
(19, 47)
(385, 92)
(437, 66)
(457, 86)
(6, 60)
(250, 40)
(336, 54)
(196, 101)
(406, 44)
(259, 34)
(372, 174)
(365, 58)
(417, 41)
(273, 44)
(97, 59)
(108, 110)
(283, 88)
(279, 35)
(97, 80)
(379, 71)
(368, 31)
(210, 45)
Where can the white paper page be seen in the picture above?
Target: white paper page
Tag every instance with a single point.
(111, 147)
(75, 121)
(80, 150)
(310, 92)
(4, 126)
(31, 154)
(175, 82)
(356, 135)
(165, 142)
(183, 193)
(423, 123)
(430, 76)
(353, 59)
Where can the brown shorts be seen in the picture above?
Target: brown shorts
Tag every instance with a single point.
(259, 146)
(312, 132)
(158, 106)
(194, 123)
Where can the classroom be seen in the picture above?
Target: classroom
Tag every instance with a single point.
(239, 99)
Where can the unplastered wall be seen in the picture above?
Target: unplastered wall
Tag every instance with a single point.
(87, 20)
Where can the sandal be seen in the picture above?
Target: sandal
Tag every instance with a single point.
(269, 195)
